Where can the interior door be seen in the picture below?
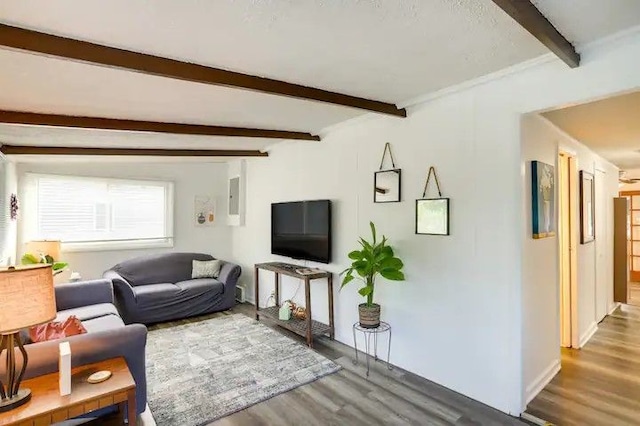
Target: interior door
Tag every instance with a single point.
(620, 249)
(633, 233)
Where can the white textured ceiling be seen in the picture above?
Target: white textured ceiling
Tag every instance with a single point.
(389, 50)
(584, 21)
(610, 127)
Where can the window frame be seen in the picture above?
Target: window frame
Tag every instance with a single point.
(31, 214)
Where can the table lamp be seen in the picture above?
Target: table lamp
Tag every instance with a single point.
(44, 248)
(28, 299)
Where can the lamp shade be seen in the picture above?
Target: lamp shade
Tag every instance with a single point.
(27, 297)
(51, 248)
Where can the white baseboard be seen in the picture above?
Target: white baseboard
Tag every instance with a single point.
(588, 334)
(614, 307)
(542, 380)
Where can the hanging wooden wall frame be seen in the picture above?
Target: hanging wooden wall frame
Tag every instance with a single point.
(387, 183)
(432, 214)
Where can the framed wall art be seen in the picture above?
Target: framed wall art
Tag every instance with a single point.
(387, 184)
(205, 210)
(432, 214)
(543, 210)
(587, 208)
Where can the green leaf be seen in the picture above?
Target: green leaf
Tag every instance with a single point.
(366, 245)
(373, 231)
(29, 259)
(391, 263)
(356, 255)
(58, 266)
(392, 274)
(346, 280)
(366, 290)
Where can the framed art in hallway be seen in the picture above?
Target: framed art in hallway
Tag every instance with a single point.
(543, 200)
(587, 208)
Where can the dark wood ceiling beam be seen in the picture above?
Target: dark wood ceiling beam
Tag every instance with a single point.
(532, 20)
(48, 44)
(57, 150)
(55, 120)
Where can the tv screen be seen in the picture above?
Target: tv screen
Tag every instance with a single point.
(302, 230)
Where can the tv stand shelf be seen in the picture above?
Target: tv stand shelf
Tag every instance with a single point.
(307, 327)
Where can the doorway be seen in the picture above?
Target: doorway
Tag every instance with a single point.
(567, 191)
(633, 245)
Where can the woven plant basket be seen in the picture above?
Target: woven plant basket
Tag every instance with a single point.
(369, 315)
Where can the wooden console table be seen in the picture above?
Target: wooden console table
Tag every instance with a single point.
(47, 406)
(307, 327)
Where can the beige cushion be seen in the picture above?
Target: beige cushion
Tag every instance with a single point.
(206, 268)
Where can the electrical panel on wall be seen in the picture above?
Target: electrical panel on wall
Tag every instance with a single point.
(236, 192)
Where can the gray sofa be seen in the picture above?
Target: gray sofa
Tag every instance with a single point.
(159, 287)
(107, 336)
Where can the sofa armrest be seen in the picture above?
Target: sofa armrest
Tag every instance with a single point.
(83, 293)
(229, 274)
(128, 342)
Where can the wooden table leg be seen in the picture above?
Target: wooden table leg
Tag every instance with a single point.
(277, 283)
(256, 283)
(307, 295)
(330, 284)
(122, 412)
(132, 417)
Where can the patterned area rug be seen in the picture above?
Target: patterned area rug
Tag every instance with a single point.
(200, 372)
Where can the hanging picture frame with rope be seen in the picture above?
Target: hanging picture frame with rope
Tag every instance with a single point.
(387, 182)
(432, 214)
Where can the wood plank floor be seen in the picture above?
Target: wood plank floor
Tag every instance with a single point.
(599, 384)
(388, 397)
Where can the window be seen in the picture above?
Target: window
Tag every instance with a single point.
(97, 213)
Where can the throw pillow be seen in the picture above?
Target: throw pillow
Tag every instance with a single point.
(57, 330)
(206, 268)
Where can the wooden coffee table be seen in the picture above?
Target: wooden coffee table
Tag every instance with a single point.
(47, 406)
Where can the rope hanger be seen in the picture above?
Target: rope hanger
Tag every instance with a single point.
(426, 185)
(387, 148)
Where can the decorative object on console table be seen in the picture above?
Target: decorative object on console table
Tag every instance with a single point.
(64, 368)
(302, 325)
(205, 210)
(19, 312)
(373, 259)
(587, 208)
(432, 214)
(542, 200)
(387, 184)
(44, 251)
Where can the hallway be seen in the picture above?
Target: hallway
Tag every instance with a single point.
(599, 384)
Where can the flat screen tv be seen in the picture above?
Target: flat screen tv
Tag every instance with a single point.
(302, 230)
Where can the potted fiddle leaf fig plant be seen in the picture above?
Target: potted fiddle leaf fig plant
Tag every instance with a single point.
(374, 258)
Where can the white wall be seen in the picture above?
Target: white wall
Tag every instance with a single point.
(458, 319)
(9, 183)
(541, 141)
(190, 179)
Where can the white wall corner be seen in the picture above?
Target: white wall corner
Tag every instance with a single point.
(588, 334)
(534, 388)
(613, 307)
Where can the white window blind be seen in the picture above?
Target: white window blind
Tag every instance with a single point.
(82, 211)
